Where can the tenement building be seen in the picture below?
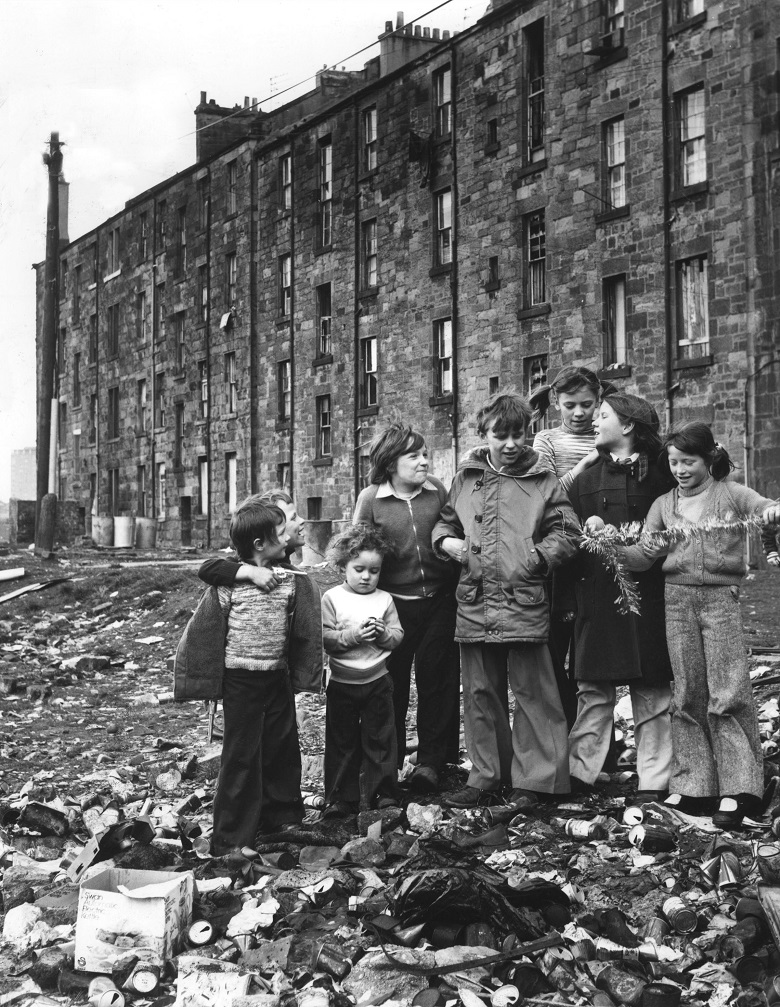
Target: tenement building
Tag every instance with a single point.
(565, 180)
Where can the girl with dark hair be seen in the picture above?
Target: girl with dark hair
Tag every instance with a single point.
(404, 502)
(567, 451)
(613, 649)
(715, 742)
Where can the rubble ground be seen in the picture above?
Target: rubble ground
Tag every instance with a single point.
(90, 739)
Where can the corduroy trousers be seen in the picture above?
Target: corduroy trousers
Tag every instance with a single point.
(716, 749)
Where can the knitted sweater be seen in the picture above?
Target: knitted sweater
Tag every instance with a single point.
(257, 625)
(343, 613)
(560, 449)
(416, 571)
(716, 558)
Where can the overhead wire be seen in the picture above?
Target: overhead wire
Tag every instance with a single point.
(311, 76)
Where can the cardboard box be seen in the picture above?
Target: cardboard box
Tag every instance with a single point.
(144, 913)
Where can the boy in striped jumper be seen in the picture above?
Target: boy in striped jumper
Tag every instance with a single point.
(259, 785)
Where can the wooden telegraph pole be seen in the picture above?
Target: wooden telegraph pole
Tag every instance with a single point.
(45, 509)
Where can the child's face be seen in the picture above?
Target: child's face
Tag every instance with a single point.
(362, 572)
(610, 429)
(275, 548)
(688, 470)
(411, 468)
(505, 446)
(577, 408)
(296, 532)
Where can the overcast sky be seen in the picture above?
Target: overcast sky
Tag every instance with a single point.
(119, 80)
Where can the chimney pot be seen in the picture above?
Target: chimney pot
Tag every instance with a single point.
(426, 32)
(203, 97)
(445, 35)
(418, 31)
(388, 25)
(436, 34)
(399, 19)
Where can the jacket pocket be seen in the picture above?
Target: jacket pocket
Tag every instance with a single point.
(467, 590)
(530, 594)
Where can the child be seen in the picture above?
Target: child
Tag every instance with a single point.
(509, 524)
(259, 784)
(567, 451)
(612, 648)
(360, 627)
(716, 748)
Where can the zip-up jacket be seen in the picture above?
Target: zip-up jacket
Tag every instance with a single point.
(518, 525)
(415, 571)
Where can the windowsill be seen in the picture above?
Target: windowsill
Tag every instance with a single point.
(365, 292)
(441, 400)
(322, 249)
(532, 168)
(368, 411)
(142, 435)
(443, 138)
(492, 148)
(112, 276)
(112, 440)
(284, 212)
(689, 363)
(614, 214)
(231, 216)
(92, 363)
(491, 285)
(200, 325)
(615, 371)
(282, 425)
(691, 22)
(326, 358)
(368, 174)
(91, 286)
(322, 462)
(201, 421)
(689, 191)
(282, 321)
(160, 430)
(75, 408)
(536, 311)
(613, 57)
(444, 270)
(180, 374)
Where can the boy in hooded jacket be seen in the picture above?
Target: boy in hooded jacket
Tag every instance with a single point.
(509, 524)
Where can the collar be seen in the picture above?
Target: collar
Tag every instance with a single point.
(625, 460)
(386, 490)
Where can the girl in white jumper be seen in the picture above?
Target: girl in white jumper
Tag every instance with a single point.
(360, 628)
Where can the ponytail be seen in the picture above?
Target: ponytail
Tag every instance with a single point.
(695, 438)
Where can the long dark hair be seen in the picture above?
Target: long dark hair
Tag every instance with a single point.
(696, 438)
(636, 410)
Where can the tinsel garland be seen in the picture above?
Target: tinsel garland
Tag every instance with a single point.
(606, 545)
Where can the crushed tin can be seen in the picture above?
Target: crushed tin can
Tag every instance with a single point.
(578, 828)
(103, 993)
(681, 917)
(622, 987)
(650, 838)
(145, 978)
(328, 958)
(661, 995)
(656, 929)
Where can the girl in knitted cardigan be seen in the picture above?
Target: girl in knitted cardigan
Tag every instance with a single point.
(716, 749)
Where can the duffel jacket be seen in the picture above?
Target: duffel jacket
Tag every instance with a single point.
(518, 526)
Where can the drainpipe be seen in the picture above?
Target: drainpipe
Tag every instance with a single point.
(356, 311)
(454, 277)
(293, 362)
(208, 347)
(666, 125)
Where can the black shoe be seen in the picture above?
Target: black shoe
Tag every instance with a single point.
(733, 809)
(424, 779)
(580, 788)
(340, 809)
(647, 796)
(471, 797)
(522, 798)
(697, 806)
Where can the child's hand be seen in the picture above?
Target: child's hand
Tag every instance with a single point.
(262, 577)
(594, 524)
(653, 551)
(772, 514)
(454, 548)
(368, 632)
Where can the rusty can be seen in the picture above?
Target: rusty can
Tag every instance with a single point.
(661, 995)
(578, 828)
(103, 993)
(327, 958)
(749, 969)
(622, 987)
(768, 859)
(145, 978)
(656, 929)
(682, 918)
(200, 933)
(651, 838)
